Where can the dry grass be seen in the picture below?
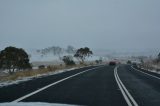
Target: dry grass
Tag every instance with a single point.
(150, 65)
(35, 72)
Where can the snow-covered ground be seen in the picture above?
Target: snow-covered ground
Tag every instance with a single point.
(34, 104)
(19, 80)
(153, 70)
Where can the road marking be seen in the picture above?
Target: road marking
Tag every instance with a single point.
(127, 96)
(52, 84)
(145, 73)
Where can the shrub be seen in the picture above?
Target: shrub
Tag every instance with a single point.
(129, 62)
(68, 60)
(41, 66)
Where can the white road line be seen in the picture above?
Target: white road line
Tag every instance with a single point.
(134, 102)
(127, 96)
(123, 93)
(43, 88)
(145, 73)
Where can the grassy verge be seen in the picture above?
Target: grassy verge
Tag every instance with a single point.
(150, 66)
(35, 72)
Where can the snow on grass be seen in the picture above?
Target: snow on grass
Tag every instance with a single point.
(153, 70)
(23, 79)
(34, 104)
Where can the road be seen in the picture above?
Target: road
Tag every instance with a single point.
(92, 86)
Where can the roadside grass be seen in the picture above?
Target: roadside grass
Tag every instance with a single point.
(36, 72)
(150, 66)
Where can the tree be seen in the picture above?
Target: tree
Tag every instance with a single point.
(12, 58)
(68, 60)
(55, 50)
(142, 61)
(70, 49)
(100, 60)
(82, 53)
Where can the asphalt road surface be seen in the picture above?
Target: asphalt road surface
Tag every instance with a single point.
(121, 85)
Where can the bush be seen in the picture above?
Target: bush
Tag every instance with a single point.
(41, 66)
(68, 60)
(98, 61)
(129, 62)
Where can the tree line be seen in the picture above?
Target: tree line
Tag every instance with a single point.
(15, 59)
(56, 50)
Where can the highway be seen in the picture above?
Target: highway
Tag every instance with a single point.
(103, 85)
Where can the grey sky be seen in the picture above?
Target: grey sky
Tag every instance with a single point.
(108, 24)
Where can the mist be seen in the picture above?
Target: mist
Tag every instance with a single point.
(128, 25)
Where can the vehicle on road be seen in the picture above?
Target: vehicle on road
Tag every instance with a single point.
(112, 63)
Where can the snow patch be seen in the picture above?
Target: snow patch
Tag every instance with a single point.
(153, 70)
(24, 79)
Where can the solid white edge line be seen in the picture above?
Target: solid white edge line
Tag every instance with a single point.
(121, 89)
(45, 87)
(145, 73)
(130, 96)
(125, 90)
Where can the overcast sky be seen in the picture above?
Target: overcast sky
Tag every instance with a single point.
(99, 24)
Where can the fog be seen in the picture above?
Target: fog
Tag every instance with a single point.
(98, 24)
